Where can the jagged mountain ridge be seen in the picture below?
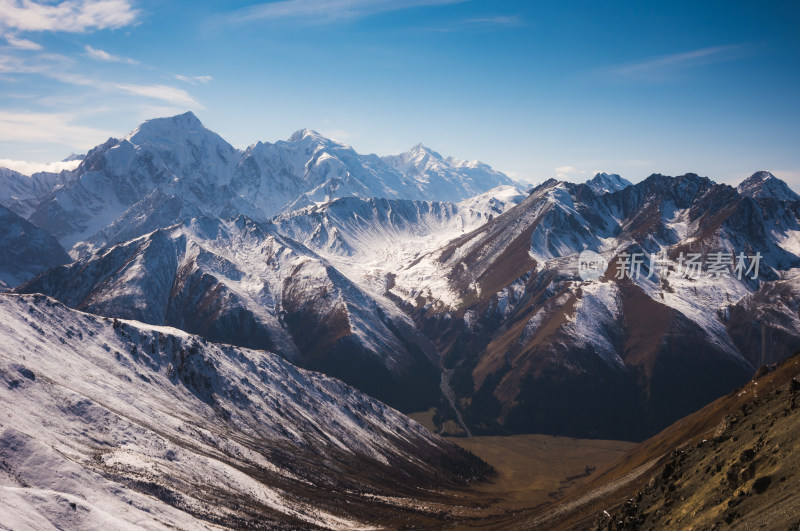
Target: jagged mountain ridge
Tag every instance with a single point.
(535, 348)
(111, 423)
(179, 168)
(446, 178)
(22, 193)
(603, 183)
(504, 305)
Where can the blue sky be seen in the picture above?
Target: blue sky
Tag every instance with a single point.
(536, 89)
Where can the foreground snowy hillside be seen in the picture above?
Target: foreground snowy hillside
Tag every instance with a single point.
(115, 424)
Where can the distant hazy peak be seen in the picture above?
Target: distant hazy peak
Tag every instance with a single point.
(762, 184)
(604, 183)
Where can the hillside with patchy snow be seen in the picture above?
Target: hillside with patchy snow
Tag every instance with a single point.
(243, 283)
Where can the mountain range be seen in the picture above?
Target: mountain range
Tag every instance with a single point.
(426, 281)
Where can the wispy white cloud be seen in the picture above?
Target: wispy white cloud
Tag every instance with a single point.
(480, 24)
(566, 169)
(569, 172)
(522, 178)
(58, 67)
(22, 44)
(327, 10)
(499, 21)
(194, 80)
(667, 67)
(29, 168)
(48, 127)
(73, 16)
(340, 135)
(165, 93)
(102, 55)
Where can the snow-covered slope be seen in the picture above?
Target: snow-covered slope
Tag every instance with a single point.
(374, 241)
(535, 330)
(309, 168)
(243, 283)
(495, 201)
(763, 185)
(176, 156)
(446, 179)
(114, 424)
(25, 250)
(15, 188)
(22, 193)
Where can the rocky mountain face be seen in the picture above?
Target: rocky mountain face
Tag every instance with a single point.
(113, 423)
(243, 283)
(535, 347)
(22, 193)
(164, 161)
(26, 250)
(764, 185)
(741, 473)
(603, 183)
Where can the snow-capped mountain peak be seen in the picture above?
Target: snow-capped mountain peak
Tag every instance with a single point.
(448, 178)
(178, 168)
(762, 184)
(168, 132)
(302, 134)
(416, 160)
(603, 183)
(423, 150)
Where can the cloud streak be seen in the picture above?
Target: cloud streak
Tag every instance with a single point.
(48, 127)
(194, 80)
(327, 11)
(565, 173)
(667, 67)
(57, 67)
(166, 93)
(22, 44)
(70, 16)
(490, 23)
(505, 21)
(102, 55)
(29, 168)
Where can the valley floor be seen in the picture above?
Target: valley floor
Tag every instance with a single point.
(533, 470)
(732, 463)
